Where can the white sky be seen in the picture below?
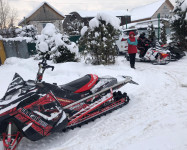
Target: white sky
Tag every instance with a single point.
(23, 7)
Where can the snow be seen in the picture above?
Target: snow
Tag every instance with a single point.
(110, 19)
(116, 13)
(43, 47)
(184, 6)
(51, 38)
(83, 30)
(20, 39)
(146, 11)
(26, 127)
(49, 29)
(154, 119)
(114, 21)
(53, 115)
(36, 8)
(94, 23)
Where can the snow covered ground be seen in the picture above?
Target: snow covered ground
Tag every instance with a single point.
(155, 118)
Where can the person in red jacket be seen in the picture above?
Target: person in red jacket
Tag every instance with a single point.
(132, 48)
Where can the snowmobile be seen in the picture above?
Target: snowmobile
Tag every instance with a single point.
(35, 109)
(155, 54)
(175, 50)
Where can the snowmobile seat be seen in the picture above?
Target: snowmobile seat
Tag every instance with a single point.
(82, 84)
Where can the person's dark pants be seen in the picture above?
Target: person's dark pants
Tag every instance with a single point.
(142, 51)
(132, 60)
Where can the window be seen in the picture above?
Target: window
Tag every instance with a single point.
(165, 7)
(44, 24)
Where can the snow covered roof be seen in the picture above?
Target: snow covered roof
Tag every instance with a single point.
(184, 5)
(143, 24)
(146, 11)
(85, 14)
(38, 7)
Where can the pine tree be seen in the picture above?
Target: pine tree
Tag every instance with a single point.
(99, 40)
(163, 37)
(179, 23)
(74, 27)
(151, 32)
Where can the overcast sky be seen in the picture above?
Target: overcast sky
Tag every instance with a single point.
(23, 7)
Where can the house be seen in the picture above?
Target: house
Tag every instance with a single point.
(143, 25)
(85, 16)
(150, 11)
(43, 14)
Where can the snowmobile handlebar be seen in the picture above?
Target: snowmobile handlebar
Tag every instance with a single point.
(52, 67)
(42, 67)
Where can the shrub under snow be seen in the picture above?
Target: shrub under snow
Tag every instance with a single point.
(27, 31)
(58, 46)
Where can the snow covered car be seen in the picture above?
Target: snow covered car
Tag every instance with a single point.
(121, 43)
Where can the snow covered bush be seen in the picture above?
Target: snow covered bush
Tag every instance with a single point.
(99, 38)
(179, 23)
(163, 37)
(27, 31)
(58, 46)
(151, 32)
(74, 27)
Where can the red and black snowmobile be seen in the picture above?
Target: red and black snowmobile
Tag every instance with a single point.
(35, 109)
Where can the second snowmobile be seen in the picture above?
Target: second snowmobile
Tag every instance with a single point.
(35, 109)
(155, 54)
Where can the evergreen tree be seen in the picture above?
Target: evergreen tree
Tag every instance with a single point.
(163, 37)
(74, 27)
(151, 32)
(179, 23)
(100, 37)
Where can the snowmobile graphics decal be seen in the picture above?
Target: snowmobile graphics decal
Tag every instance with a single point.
(33, 117)
(95, 77)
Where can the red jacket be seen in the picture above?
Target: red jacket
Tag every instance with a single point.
(132, 44)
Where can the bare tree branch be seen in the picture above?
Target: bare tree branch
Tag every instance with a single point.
(8, 16)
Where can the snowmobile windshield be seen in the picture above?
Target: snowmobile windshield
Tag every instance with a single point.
(14, 88)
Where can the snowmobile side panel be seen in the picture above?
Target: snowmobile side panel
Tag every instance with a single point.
(39, 117)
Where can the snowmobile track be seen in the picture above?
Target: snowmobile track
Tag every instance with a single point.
(98, 116)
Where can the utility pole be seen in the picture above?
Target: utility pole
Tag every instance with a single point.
(158, 16)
